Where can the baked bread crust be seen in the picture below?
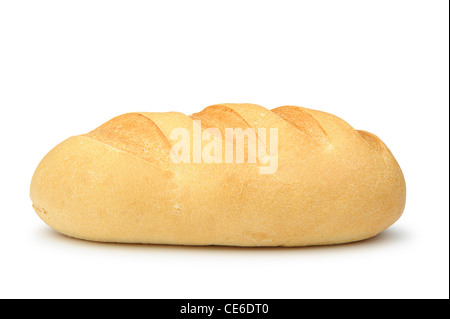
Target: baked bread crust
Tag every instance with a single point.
(333, 185)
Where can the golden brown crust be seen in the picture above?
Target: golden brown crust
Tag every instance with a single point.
(135, 134)
(220, 116)
(302, 120)
(117, 183)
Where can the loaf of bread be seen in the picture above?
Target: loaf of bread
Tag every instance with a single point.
(314, 180)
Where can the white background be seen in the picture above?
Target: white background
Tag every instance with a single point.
(68, 66)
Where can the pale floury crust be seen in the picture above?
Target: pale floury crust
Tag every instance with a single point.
(333, 184)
